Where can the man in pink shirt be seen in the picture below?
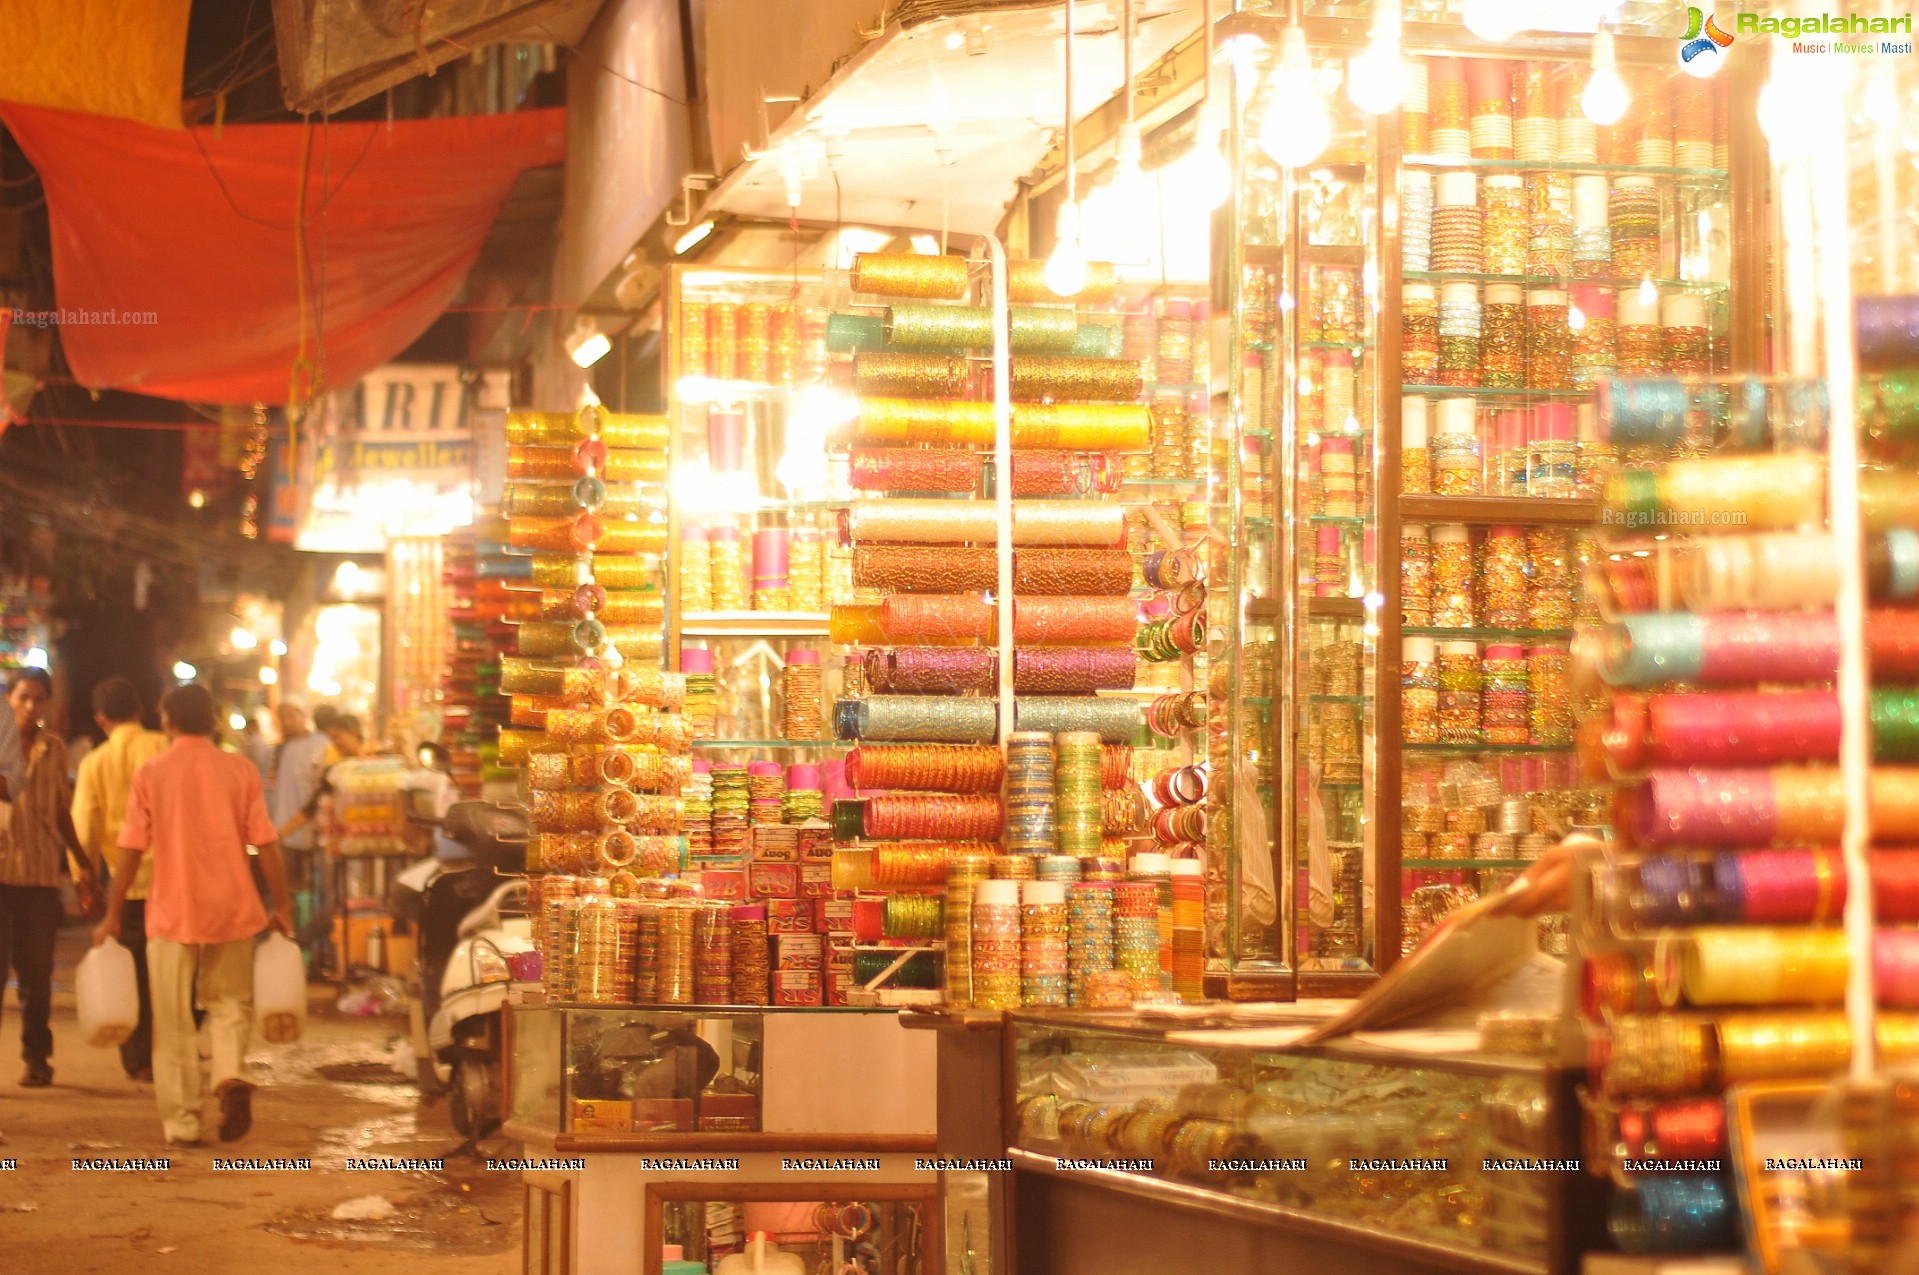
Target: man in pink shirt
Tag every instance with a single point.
(195, 809)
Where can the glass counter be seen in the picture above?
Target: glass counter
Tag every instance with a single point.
(1463, 1152)
(636, 1071)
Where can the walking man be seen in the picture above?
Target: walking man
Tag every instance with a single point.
(195, 809)
(33, 858)
(100, 795)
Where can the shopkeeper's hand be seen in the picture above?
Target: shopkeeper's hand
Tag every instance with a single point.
(109, 927)
(282, 919)
(1547, 885)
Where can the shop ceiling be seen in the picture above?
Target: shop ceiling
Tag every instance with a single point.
(928, 126)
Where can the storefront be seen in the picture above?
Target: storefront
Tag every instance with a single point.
(1005, 707)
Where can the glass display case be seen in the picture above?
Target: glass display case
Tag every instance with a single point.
(592, 1071)
(1454, 1151)
(1422, 317)
(754, 550)
(808, 1075)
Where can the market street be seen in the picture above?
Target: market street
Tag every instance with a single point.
(327, 1098)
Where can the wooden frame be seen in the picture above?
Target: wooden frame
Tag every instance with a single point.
(1749, 347)
(659, 1193)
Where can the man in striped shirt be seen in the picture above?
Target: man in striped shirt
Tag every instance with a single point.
(33, 859)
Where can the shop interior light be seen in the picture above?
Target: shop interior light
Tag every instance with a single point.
(184, 672)
(277, 647)
(692, 237)
(1129, 202)
(586, 344)
(1606, 96)
(1376, 79)
(242, 638)
(1202, 176)
(237, 721)
(36, 657)
(1495, 20)
(926, 245)
(1065, 271)
(1298, 127)
(269, 676)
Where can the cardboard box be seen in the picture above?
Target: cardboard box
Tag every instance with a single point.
(662, 1115)
(816, 880)
(839, 971)
(734, 1112)
(833, 916)
(725, 884)
(774, 880)
(603, 1115)
(775, 843)
(816, 842)
(789, 916)
(797, 987)
(798, 952)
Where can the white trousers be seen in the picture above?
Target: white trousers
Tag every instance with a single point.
(222, 973)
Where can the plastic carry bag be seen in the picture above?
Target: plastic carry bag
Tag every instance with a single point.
(279, 989)
(107, 995)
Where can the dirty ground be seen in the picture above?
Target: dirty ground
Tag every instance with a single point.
(330, 1096)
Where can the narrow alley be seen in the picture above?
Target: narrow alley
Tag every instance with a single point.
(332, 1099)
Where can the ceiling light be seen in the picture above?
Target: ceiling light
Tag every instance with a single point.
(1495, 20)
(242, 638)
(1203, 175)
(1298, 127)
(692, 236)
(277, 647)
(184, 672)
(1376, 79)
(269, 676)
(1606, 96)
(238, 721)
(586, 344)
(925, 245)
(1065, 272)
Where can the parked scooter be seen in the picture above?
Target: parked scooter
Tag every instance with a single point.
(469, 921)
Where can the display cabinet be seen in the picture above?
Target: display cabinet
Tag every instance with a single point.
(1418, 1158)
(600, 1073)
(1422, 315)
(754, 554)
(644, 1127)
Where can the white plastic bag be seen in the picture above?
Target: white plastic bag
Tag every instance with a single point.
(279, 989)
(107, 995)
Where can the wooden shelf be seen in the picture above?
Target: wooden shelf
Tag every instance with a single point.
(1500, 511)
(753, 624)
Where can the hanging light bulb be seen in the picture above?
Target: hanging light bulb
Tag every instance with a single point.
(1203, 173)
(1298, 127)
(1606, 96)
(1495, 20)
(1376, 79)
(1065, 272)
(1130, 203)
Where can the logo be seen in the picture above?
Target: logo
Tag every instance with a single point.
(1701, 46)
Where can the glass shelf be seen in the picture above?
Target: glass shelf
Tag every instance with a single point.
(1491, 391)
(1561, 282)
(754, 623)
(1539, 166)
(772, 743)
(1487, 750)
(1487, 635)
(1260, 701)
(1339, 520)
(1337, 345)
(1337, 699)
(1467, 865)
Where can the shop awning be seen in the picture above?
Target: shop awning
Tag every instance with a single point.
(174, 250)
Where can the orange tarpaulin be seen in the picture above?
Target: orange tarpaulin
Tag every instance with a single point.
(174, 251)
(103, 56)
